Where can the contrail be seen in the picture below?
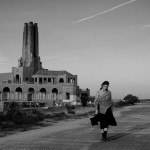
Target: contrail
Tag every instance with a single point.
(146, 26)
(129, 2)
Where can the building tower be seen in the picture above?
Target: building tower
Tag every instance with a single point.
(30, 49)
(29, 63)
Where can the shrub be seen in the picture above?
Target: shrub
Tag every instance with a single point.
(120, 103)
(130, 99)
(24, 116)
(14, 105)
(70, 108)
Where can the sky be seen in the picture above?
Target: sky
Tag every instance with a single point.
(97, 40)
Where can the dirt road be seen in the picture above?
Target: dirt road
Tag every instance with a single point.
(132, 133)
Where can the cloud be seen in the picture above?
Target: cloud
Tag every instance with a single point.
(146, 26)
(106, 11)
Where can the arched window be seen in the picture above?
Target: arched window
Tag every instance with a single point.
(18, 93)
(61, 80)
(17, 79)
(43, 90)
(30, 94)
(43, 94)
(54, 93)
(54, 90)
(6, 89)
(18, 89)
(6, 94)
(31, 90)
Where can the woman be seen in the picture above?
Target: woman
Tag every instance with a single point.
(103, 109)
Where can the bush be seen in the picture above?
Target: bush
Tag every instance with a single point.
(14, 105)
(84, 101)
(130, 99)
(70, 108)
(24, 116)
(120, 103)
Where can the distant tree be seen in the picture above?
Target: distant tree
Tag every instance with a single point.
(84, 100)
(91, 98)
(130, 99)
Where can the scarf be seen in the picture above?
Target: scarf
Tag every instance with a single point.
(103, 102)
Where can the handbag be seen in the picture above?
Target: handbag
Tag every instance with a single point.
(94, 120)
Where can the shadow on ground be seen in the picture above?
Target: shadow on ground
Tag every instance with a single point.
(124, 140)
(134, 129)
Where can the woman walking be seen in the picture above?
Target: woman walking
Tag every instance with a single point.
(103, 109)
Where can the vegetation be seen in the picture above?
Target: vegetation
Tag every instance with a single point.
(16, 113)
(70, 109)
(130, 99)
(92, 98)
(84, 100)
(120, 103)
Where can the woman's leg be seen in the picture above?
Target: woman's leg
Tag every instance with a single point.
(103, 137)
(103, 126)
(105, 133)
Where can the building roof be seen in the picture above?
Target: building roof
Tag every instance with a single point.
(52, 72)
(5, 76)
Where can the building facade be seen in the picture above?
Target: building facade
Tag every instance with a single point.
(31, 82)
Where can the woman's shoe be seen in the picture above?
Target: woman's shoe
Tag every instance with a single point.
(105, 136)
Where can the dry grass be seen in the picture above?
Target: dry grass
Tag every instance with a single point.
(29, 119)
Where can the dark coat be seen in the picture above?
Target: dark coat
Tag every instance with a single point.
(104, 119)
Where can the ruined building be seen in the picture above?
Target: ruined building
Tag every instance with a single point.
(31, 82)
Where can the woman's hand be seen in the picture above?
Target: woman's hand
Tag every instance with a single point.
(96, 111)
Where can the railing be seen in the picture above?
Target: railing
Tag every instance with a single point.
(10, 82)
